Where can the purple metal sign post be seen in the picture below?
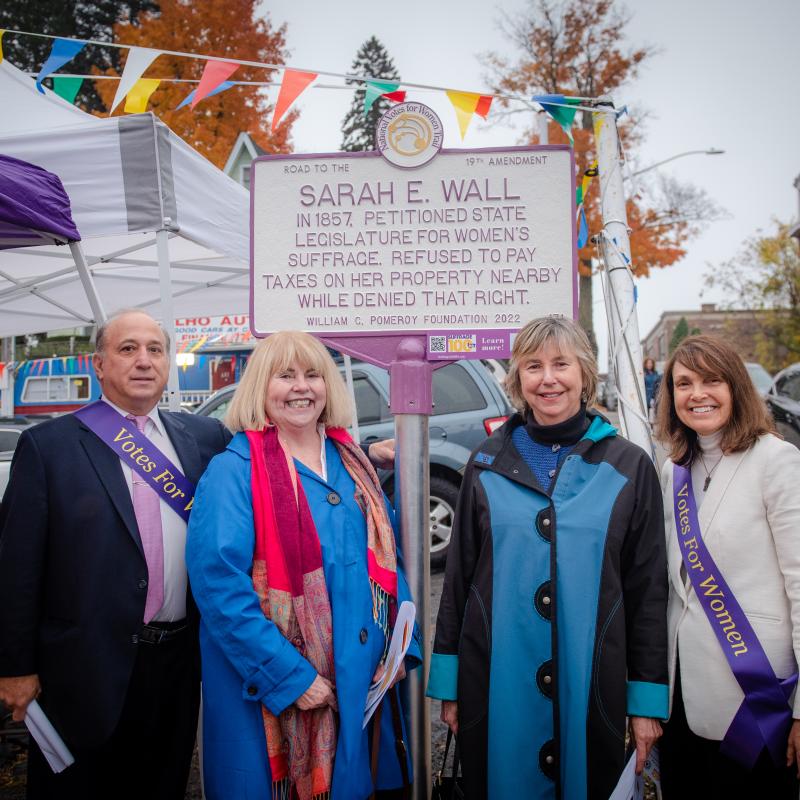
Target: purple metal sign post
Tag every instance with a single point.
(411, 402)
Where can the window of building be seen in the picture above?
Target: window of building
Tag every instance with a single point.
(246, 176)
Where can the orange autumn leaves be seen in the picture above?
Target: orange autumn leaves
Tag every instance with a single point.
(227, 30)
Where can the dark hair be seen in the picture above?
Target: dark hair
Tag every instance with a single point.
(712, 357)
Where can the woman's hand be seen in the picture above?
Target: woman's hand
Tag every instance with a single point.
(381, 454)
(645, 732)
(793, 748)
(401, 673)
(449, 715)
(319, 694)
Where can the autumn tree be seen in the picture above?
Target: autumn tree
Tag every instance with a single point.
(359, 128)
(765, 278)
(68, 18)
(225, 30)
(578, 48)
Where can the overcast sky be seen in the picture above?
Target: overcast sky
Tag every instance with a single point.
(726, 76)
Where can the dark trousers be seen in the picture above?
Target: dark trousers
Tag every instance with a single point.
(692, 767)
(149, 754)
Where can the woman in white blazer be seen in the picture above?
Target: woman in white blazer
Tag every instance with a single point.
(744, 482)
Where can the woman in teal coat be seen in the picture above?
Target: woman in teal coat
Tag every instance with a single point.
(292, 562)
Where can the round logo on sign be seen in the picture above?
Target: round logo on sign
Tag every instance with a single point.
(409, 135)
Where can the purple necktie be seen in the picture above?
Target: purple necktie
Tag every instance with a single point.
(147, 508)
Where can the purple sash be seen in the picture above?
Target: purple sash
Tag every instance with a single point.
(764, 718)
(140, 454)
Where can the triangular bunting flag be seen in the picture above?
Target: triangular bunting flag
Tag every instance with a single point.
(63, 50)
(465, 104)
(139, 96)
(189, 97)
(214, 74)
(67, 88)
(583, 228)
(396, 97)
(138, 60)
(484, 104)
(292, 86)
(2, 31)
(374, 90)
(560, 114)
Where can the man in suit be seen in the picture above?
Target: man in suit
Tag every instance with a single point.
(95, 615)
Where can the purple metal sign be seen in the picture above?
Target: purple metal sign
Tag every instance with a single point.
(458, 253)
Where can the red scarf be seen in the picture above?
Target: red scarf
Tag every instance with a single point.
(289, 579)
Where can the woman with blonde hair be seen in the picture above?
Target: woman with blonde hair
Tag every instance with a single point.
(732, 513)
(293, 564)
(551, 628)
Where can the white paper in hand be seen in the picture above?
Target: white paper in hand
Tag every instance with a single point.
(630, 785)
(398, 647)
(50, 743)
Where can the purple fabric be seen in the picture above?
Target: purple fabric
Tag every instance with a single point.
(141, 455)
(764, 718)
(34, 208)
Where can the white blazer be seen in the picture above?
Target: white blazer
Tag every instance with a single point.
(750, 521)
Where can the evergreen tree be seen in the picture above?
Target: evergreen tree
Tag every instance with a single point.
(679, 334)
(75, 19)
(359, 128)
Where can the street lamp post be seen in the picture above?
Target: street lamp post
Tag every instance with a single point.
(712, 151)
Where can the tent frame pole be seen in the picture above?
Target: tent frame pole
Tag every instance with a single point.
(168, 316)
(98, 312)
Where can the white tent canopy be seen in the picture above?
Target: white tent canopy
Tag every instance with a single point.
(128, 178)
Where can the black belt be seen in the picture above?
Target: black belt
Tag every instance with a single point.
(159, 632)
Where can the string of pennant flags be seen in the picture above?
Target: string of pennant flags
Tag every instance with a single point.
(216, 78)
(217, 73)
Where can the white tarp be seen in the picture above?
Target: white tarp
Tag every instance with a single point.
(127, 177)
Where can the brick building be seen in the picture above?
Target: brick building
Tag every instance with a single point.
(740, 328)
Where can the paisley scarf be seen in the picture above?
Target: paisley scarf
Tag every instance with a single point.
(289, 579)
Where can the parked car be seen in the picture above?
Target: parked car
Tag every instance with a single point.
(468, 405)
(762, 380)
(783, 400)
(10, 430)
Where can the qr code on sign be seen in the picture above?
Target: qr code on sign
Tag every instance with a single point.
(437, 344)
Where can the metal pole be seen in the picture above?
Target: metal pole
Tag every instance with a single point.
(98, 312)
(411, 403)
(167, 315)
(348, 375)
(620, 298)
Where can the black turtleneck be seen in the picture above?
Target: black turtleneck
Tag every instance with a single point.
(570, 431)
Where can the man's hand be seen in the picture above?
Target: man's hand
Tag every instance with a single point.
(18, 692)
(319, 694)
(449, 715)
(645, 732)
(793, 748)
(401, 673)
(381, 454)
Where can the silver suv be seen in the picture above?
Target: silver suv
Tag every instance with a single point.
(468, 405)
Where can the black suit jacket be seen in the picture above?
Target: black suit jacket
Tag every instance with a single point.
(72, 570)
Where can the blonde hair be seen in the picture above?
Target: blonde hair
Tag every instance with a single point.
(272, 355)
(567, 336)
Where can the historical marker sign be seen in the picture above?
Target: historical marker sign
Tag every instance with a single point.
(465, 248)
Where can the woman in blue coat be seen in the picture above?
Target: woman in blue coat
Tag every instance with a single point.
(293, 565)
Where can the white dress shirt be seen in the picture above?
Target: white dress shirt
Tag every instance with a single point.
(172, 526)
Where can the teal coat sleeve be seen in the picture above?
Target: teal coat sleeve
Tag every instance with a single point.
(219, 556)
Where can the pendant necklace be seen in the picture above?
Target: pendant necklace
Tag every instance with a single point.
(709, 472)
